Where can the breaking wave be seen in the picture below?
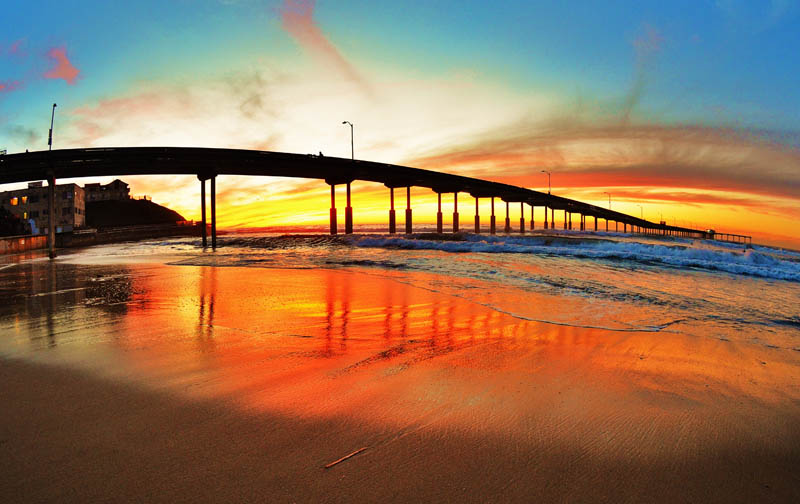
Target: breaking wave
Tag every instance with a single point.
(757, 263)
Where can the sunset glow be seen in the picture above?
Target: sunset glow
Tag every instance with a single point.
(685, 118)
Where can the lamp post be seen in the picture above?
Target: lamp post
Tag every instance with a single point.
(352, 152)
(348, 211)
(641, 211)
(548, 180)
(50, 136)
(609, 200)
(51, 193)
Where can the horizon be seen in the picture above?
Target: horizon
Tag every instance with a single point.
(687, 116)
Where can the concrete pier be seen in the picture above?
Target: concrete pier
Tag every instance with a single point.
(51, 215)
(203, 210)
(508, 220)
(334, 224)
(392, 215)
(477, 218)
(439, 219)
(214, 212)
(455, 212)
(408, 210)
(348, 214)
(493, 221)
(522, 218)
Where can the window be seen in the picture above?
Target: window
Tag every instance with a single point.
(24, 215)
(34, 214)
(14, 201)
(65, 211)
(24, 200)
(34, 198)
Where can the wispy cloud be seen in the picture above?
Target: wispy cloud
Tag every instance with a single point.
(9, 86)
(62, 68)
(297, 17)
(597, 154)
(646, 46)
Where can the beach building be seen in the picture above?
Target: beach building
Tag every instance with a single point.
(116, 190)
(30, 205)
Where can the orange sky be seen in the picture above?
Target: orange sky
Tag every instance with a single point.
(461, 120)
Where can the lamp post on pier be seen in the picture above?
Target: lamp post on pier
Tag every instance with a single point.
(548, 180)
(609, 200)
(51, 193)
(348, 210)
(352, 151)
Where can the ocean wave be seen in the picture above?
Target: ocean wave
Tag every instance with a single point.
(750, 262)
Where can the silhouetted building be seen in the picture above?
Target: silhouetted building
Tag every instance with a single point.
(31, 206)
(116, 190)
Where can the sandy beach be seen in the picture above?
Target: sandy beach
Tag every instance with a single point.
(153, 382)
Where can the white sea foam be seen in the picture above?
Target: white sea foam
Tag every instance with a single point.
(759, 263)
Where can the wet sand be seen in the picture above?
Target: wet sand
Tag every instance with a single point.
(150, 382)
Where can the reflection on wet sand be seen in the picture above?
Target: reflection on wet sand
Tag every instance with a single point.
(396, 360)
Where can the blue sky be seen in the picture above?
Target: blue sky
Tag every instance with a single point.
(723, 62)
(693, 96)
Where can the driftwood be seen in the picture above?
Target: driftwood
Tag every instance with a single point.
(328, 466)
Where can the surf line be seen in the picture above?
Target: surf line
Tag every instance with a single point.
(653, 329)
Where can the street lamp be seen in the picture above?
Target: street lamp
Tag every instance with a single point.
(50, 136)
(352, 152)
(548, 180)
(609, 200)
(641, 211)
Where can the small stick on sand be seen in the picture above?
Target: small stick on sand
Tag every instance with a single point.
(328, 466)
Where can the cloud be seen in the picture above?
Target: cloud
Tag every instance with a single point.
(646, 45)
(23, 135)
(9, 86)
(297, 18)
(607, 154)
(63, 69)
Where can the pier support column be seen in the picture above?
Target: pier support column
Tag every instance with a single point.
(214, 212)
(532, 222)
(439, 220)
(477, 218)
(493, 221)
(565, 219)
(595, 223)
(348, 214)
(51, 214)
(552, 218)
(334, 224)
(583, 222)
(625, 227)
(570, 221)
(545, 217)
(203, 210)
(392, 216)
(521, 218)
(408, 210)
(508, 220)
(455, 212)
(606, 225)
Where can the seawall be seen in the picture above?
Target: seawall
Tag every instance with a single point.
(16, 244)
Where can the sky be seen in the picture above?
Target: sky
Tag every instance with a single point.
(683, 111)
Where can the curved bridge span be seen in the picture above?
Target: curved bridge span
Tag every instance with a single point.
(207, 163)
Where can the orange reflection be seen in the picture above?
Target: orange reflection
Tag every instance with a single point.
(374, 347)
